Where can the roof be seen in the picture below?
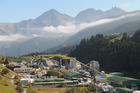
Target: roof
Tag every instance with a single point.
(56, 82)
(124, 80)
(74, 74)
(49, 79)
(124, 90)
(117, 73)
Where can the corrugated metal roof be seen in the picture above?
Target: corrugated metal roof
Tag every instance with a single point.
(56, 82)
(74, 74)
(124, 80)
(49, 79)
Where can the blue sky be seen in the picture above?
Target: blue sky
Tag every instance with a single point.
(17, 10)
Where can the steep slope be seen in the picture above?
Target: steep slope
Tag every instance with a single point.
(6, 79)
(49, 18)
(30, 35)
(88, 15)
(52, 18)
(121, 55)
(115, 11)
(32, 30)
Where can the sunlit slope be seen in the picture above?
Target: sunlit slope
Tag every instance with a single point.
(6, 85)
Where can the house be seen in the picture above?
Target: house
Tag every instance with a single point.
(20, 70)
(26, 79)
(12, 66)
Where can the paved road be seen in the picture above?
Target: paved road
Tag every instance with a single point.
(12, 79)
(25, 90)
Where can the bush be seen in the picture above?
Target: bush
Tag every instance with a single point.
(6, 62)
(92, 88)
(78, 90)
(19, 88)
(5, 71)
(53, 73)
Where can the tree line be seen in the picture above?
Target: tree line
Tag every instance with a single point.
(121, 55)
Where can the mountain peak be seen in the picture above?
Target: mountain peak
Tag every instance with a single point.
(52, 11)
(88, 15)
(52, 18)
(116, 9)
(90, 11)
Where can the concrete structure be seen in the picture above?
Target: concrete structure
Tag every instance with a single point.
(95, 65)
(19, 70)
(73, 64)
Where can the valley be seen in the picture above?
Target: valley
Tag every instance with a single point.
(69, 46)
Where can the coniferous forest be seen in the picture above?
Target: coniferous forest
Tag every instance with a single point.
(121, 55)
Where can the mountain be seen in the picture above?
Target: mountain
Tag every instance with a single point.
(115, 11)
(37, 44)
(49, 18)
(90, 15)
(121, 54)
(128, 23)
(52, 18)
(51, 29)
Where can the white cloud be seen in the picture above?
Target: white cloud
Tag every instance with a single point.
(12, 37)
(73, 28)
(66, 29)
(61, 30)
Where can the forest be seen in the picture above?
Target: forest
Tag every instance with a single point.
(122, 55)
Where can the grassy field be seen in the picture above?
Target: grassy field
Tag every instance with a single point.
(117, 38)
(16, 59)
(6, 85)
(44, 89)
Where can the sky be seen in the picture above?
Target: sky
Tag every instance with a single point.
(18, 10)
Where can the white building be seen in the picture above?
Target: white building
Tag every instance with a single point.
(26, 79)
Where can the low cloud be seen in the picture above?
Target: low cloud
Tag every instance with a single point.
(12, 37)
(61, 30)
(71, 28)
(66, 29)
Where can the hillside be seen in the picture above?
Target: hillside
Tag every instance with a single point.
(6, 85)
(33, 45)
(36, 35)
(120, 55)
(128, 23)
